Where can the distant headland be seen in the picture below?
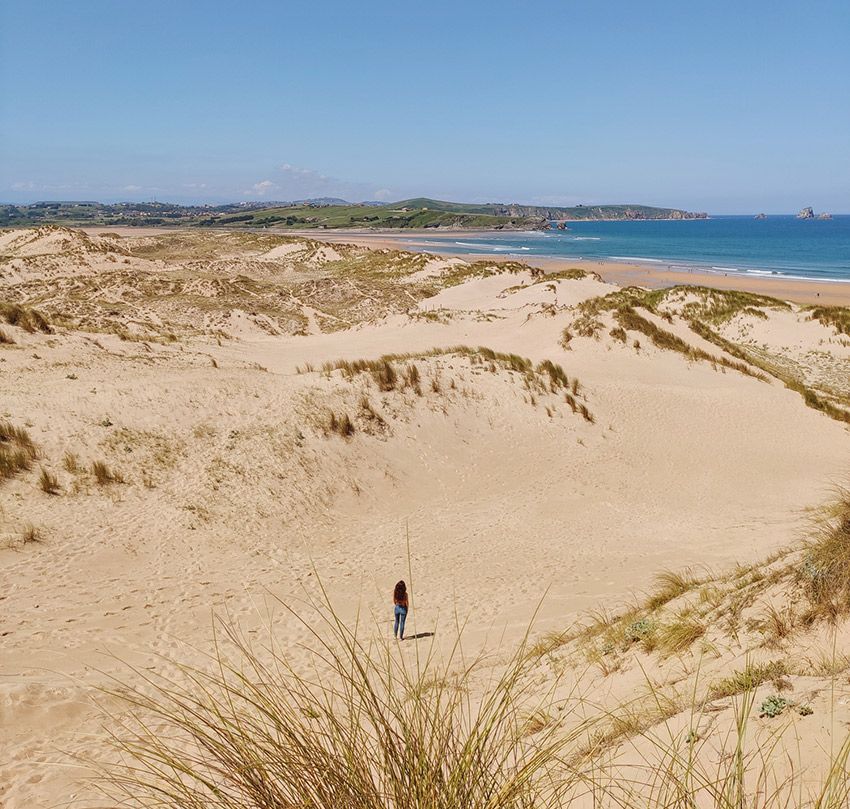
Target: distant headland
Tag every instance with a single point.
(329, 213)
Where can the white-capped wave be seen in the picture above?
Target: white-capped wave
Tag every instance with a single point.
(639, 258)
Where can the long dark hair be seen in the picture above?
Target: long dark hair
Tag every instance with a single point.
(400, 591)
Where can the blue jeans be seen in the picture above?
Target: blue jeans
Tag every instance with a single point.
(400, 618)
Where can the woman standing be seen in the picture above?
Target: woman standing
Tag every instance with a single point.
(400, 609)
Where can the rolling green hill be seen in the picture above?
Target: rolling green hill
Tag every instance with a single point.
(420, 212)
(576, 212)
(400, 215)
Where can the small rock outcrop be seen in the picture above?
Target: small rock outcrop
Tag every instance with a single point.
(806, 213)
(562, 226)
(824, 215)
(760, 216)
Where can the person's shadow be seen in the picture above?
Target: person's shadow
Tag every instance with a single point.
(419, 635)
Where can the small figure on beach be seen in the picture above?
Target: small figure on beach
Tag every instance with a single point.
(400, 609)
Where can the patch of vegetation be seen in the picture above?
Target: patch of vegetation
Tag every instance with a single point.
(669, 585)
(750, 678)
(17, 450)
(341, 425)
(836, 317)
(104, 475)
(31, 536)
(48, 482)
(825, 570)
(71, 462)
(399, 372)
(639, 630)
(6, 339)
(812, 399)
(368, 730)
(24, 317)
(629, 319)
(773, 706)
(679, 634)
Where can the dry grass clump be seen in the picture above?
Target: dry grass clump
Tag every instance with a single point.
(776, 624)
(48, 482)
(825, 570)
(838, 317)
(341, 425)
(31, 535)
(748, 679)
(670, 584)
(6, 339)
(70, 462)
(104, 475)
(557, 375)
(24, 317)
(368, 728)
(678, 635)
(619, 333)
(17, 450)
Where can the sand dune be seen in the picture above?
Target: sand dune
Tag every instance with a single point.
(191, 365)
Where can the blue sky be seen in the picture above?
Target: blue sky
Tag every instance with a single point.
(725, 106)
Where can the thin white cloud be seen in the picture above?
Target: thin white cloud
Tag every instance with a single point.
(296, 182)
(260, 189)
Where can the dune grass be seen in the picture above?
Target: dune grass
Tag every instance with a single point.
(825, 571)
(24, 317)
(630, 320)
(399, 372)
(17, 450)
(747, 679)
(48, 482)
(364, 728)
(6, 339)
(104, 475)
(837, 317)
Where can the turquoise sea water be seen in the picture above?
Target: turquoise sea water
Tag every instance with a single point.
(777, 246)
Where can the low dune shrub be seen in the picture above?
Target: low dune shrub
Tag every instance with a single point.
(6, 339)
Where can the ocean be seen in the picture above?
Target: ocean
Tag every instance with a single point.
(776, 246)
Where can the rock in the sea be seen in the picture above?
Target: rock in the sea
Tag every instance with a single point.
(562, 226)
(806, 213)
(824, 215)
(760, 216)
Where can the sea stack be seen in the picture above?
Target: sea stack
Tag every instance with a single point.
(806, 213)
(760, 216)
(824, 215)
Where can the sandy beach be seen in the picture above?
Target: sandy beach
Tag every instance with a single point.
(190, 364)
(835, 293)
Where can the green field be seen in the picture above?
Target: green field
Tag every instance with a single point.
(420, 212)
